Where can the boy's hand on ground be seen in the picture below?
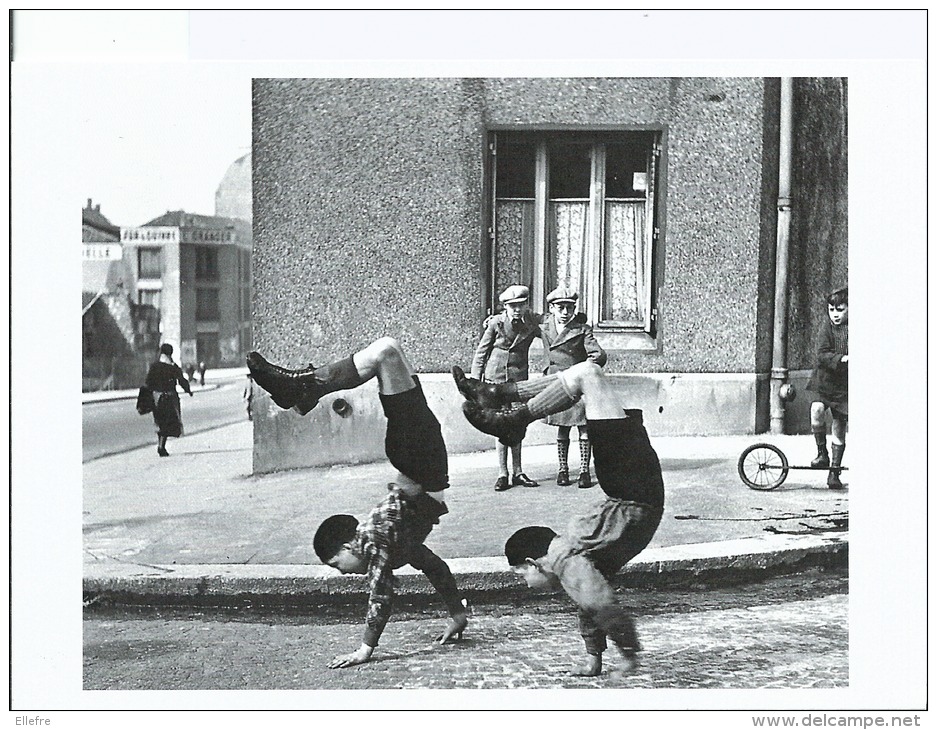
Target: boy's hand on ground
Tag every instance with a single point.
(456, 626)
(360, 656)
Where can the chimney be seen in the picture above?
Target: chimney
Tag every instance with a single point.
(97, 208)
(89, 204)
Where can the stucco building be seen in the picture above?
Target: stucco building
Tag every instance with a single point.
(404, 206)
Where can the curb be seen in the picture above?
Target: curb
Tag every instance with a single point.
(125, 395)
(115, 583)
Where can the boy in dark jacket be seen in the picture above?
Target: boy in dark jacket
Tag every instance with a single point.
(502, 356)
(830, 382)
(393, 533)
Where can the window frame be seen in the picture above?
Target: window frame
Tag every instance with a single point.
(613, 334)
(207, 263)
(201, 304)
(156, 252)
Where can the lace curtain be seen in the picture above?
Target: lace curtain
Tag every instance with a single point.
(623, 294)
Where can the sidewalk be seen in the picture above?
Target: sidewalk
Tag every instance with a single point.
(212, 380)
(198, 527)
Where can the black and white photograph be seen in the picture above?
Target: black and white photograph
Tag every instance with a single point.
(412, 363)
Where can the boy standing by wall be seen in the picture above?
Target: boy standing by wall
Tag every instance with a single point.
(830, 382)
(568, 339)
(502, 356)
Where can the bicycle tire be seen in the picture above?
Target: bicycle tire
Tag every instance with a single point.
(763, 467)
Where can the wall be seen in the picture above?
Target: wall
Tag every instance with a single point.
(368, 199)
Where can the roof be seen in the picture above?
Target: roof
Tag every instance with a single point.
(97, 276)
(96, 227)
(181, 219)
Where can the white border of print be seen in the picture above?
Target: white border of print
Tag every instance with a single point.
(62, 55)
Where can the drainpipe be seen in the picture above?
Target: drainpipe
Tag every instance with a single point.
(779, 369)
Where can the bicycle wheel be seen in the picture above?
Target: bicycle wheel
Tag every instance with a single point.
(763, 467)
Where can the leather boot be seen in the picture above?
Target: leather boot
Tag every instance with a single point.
(487, 395)
(282, 384)
(832, 481)
(510, 427)
(823, 456)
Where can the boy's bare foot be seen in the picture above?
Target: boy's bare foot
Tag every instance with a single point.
(628, 666)
(592, 667)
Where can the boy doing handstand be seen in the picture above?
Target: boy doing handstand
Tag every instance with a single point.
(597, 544)
(392, 535)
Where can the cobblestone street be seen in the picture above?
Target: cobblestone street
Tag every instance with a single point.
(789, 633)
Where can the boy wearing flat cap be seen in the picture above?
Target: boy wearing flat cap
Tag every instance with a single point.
(502, 356)
(568, 339)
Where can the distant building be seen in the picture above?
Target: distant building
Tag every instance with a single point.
(107, 313)
(194, 272)
(233, 196)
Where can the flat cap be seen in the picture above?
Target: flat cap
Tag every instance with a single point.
(562, 294)
(515, 294)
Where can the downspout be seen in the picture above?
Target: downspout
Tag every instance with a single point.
(779, 371)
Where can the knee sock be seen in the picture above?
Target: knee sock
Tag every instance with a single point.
(502, 460)
(516, 459)
(552, 399)
(527, 389)
(339, 375)
(562, 453)
(585, 453)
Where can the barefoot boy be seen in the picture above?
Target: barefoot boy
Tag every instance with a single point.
(597, 544)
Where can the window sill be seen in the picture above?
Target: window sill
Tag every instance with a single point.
(628, 341)
(633, 341)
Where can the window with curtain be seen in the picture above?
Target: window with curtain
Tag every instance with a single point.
(578, 210)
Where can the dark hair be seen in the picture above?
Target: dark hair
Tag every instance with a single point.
(840, 296)
(332, 534)
(165, 349)
(528, 542)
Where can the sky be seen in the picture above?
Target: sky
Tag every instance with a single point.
(170, 136)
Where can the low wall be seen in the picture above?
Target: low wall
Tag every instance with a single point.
(673, 405)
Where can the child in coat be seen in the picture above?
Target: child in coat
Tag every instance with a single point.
(502, 356)
(830, 383)
(568, 340)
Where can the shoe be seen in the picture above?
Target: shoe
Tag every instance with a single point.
(585, 480)
(287, 388)
(562, 478)
(509, 426)
(486, 395)
(522, 480)
(162, 452)
(832, 481)
(822, 460)
(502, 485)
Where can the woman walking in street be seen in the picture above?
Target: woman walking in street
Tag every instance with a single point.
(161, 379)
